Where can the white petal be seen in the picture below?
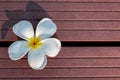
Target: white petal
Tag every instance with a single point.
(17, 50)
(51, 46)
(45, 28)
(37, 59)
(23, 29)
(43, 65)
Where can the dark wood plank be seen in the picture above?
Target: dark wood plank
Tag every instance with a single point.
(88, 35)
(76, 35)
(64, 63)
(79, 52)
(72, 25)
(88, 20)
(60, 6)
(81, 72)
(64, 79)
(35, 15)
(5, 35)
(65, 0)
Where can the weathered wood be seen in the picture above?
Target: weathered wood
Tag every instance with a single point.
(77, 20)
(68, 35)
(78, 72)
(64, 78)
(64, 63)
(59, 6)
(71, 25)
(35, 15)
(67, 78)
(79, 52)
(65, 0)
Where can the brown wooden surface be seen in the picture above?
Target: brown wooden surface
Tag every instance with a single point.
(67, 15)
(74, 35)
(79, 53)
(65, 0)
(77, 21)
(68, 6)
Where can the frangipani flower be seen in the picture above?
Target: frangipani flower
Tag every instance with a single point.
(37, 44)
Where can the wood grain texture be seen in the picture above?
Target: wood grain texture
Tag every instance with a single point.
(78, 72)
(71, 25)
(77, 21)
(56, 6)
(68, 79)
(33, 15)
(75, 78)
(79, 52)
(64, 63)
(64, 0)
(74, 35)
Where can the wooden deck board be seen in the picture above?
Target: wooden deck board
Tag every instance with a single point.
(64, 79)
(103, 1)
(64, 63)
(71, 25)
(34, 15)
(79, 52)
(61, 6)
(78, 72)
(74, 35)
(77, 21)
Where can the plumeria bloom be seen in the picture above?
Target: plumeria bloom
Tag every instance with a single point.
(37, 45)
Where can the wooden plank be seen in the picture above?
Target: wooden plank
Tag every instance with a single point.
(68, 35)
(64, 63)
(5, 35)
(59, 6)
(88, 35)
(65, 79)
(35, 15)
(87, 63)
(79, 52)
(64, 0)
(71, 25)
(81, 72)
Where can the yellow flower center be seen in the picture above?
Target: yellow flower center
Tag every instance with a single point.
(34, 43)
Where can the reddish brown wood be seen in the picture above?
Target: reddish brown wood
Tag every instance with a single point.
(76, 35)
(64, 63)
(73, 25)
(88, 35)
(64, 79)
(8, 35)
(77, 20)
(65, 0)
(80, 52)
(66, 72)
(62, 6)
(67, 79)
(64, 15)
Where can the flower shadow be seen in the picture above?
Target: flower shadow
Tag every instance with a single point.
(33, 13)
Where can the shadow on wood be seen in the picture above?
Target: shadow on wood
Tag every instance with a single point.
(15, 16)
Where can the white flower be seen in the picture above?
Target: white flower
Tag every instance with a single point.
(37, 44)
